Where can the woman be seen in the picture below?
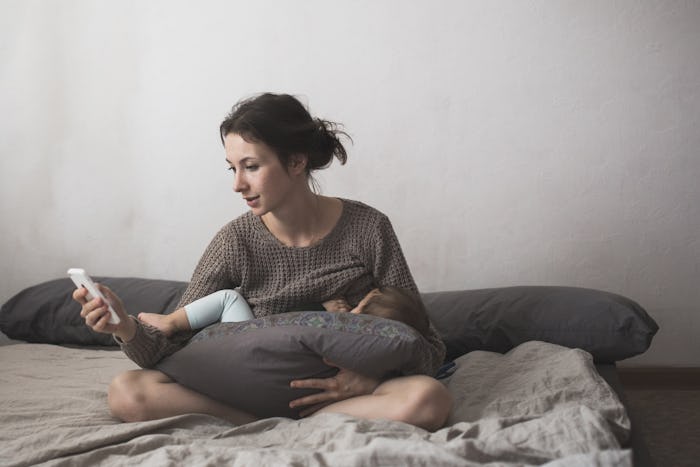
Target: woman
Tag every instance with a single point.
(292, 250)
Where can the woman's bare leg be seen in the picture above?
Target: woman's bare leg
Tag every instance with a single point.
(419, 400)
(139, 395)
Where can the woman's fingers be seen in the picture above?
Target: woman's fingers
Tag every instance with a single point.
(342, 386)
(96, 312)
(327, 386)
(114, 300)
(93, 317)
(111, 296)
(318, 398)
(97, 315)
(101, 321)
(315, 383)
(79, 295)
(89, 307)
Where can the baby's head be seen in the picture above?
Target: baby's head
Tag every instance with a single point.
(397, 304)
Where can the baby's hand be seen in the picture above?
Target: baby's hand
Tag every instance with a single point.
(337, 304)
(161, 322)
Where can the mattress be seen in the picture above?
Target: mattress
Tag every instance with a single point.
(538, 404)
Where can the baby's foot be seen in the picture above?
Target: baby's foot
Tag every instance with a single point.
(161, 322)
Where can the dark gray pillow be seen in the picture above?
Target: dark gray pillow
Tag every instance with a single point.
(250, 364)
(609, 326)
(47, 313)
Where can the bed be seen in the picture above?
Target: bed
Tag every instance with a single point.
(534, 382)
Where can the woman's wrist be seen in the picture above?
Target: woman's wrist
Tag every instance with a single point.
(127, 331)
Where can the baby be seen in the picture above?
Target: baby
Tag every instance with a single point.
(230, 306)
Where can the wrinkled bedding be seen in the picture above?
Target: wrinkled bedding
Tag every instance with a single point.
(539, 404)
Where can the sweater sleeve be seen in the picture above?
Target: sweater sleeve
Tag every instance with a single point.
(389, 268)
(149, 345)
(213, 272)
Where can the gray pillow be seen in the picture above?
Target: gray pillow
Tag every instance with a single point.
(250, 364)
(609, 326)
(46, 312)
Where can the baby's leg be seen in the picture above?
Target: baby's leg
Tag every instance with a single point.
(226, 305)
(235, 308)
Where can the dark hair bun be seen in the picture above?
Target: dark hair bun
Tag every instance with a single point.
(285, 125)
(327, 144)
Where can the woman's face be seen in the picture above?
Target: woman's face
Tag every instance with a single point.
(258, 174)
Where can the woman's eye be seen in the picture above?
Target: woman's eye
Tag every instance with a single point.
(251, 168)
(232, 169)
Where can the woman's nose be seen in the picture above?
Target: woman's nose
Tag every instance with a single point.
(238, 182)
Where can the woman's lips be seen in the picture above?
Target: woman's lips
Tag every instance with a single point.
(252, 200)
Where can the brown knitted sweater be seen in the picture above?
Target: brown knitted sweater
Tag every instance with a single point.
(360, 253)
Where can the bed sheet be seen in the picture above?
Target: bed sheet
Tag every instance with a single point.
(539, 404)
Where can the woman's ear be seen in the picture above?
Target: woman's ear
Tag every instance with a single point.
(297, 163)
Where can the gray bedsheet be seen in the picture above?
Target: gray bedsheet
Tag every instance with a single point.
(540, 404)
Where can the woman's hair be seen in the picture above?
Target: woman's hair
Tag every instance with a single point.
(285, 125)
(399, 305)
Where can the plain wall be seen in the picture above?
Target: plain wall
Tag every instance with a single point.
(511, 143)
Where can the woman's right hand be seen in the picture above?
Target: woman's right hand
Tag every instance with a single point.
(96, 314)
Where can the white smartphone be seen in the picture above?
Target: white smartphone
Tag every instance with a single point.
(81, 279)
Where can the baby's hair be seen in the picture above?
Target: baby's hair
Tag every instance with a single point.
(400, 305)
(285, 125)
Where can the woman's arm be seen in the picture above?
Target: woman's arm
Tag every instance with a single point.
(389, 268)
(148, 345)
(143, 344)
(214, 270)
(383, 257)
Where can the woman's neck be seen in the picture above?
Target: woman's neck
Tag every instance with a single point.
(304, 220)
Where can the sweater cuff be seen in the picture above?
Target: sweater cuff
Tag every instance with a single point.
(140, 346)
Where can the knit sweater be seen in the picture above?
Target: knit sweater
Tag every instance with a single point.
(359, 254)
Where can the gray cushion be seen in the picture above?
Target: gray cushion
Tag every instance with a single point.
(609, 326)
(250, 364)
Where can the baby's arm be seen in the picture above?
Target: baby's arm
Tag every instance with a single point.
(168, 324)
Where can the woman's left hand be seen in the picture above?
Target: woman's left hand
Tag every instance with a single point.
(344, 385)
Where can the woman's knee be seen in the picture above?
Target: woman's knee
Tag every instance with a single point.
(127, 396)
(428, 403)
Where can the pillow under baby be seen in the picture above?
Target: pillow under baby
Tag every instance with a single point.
(250, 364)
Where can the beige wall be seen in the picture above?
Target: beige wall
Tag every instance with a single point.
(510, 142)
